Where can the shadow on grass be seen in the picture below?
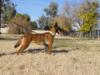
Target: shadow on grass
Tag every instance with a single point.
(5, 54)
(60, 51)
(2, 38)
(43, 50)
(34, 51)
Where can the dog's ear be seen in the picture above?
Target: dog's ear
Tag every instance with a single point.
(56, 25)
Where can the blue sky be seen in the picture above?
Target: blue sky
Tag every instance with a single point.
(34, 8)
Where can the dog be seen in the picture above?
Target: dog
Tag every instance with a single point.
(45, 38)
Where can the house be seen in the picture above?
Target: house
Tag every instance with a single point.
(4, 28)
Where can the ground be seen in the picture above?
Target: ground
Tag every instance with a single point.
(70, 56)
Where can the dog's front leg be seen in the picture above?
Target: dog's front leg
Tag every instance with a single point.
(49, 48)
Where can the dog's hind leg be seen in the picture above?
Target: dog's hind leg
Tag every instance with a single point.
(24, 44)
(20, 49)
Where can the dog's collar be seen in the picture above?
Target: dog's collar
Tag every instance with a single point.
(53, 34)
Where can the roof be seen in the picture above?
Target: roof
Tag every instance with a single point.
(3, 25)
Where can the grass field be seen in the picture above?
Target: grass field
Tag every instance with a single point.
(70, 56)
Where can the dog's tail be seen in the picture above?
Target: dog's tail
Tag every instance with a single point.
(18, 43)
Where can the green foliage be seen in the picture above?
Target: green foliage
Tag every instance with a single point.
(44, 22)
(88, 14)
(8, 10)
(23, 16)
(89, 21)
(34, 25)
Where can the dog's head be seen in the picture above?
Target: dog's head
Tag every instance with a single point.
(57, 27)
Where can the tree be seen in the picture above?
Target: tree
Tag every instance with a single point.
(67, 10)
(44, 22)
(34, 25)
(88, 15)
(20, 24)
(8, 10)
(52, 9)
(51, 12)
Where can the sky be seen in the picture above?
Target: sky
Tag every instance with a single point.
(34, 8)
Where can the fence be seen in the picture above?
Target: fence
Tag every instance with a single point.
(91, 34)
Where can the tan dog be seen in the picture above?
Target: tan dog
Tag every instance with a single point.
(45, 38)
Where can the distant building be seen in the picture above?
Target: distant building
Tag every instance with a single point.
(4, 28)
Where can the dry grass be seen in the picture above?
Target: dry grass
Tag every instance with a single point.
(69, 57)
